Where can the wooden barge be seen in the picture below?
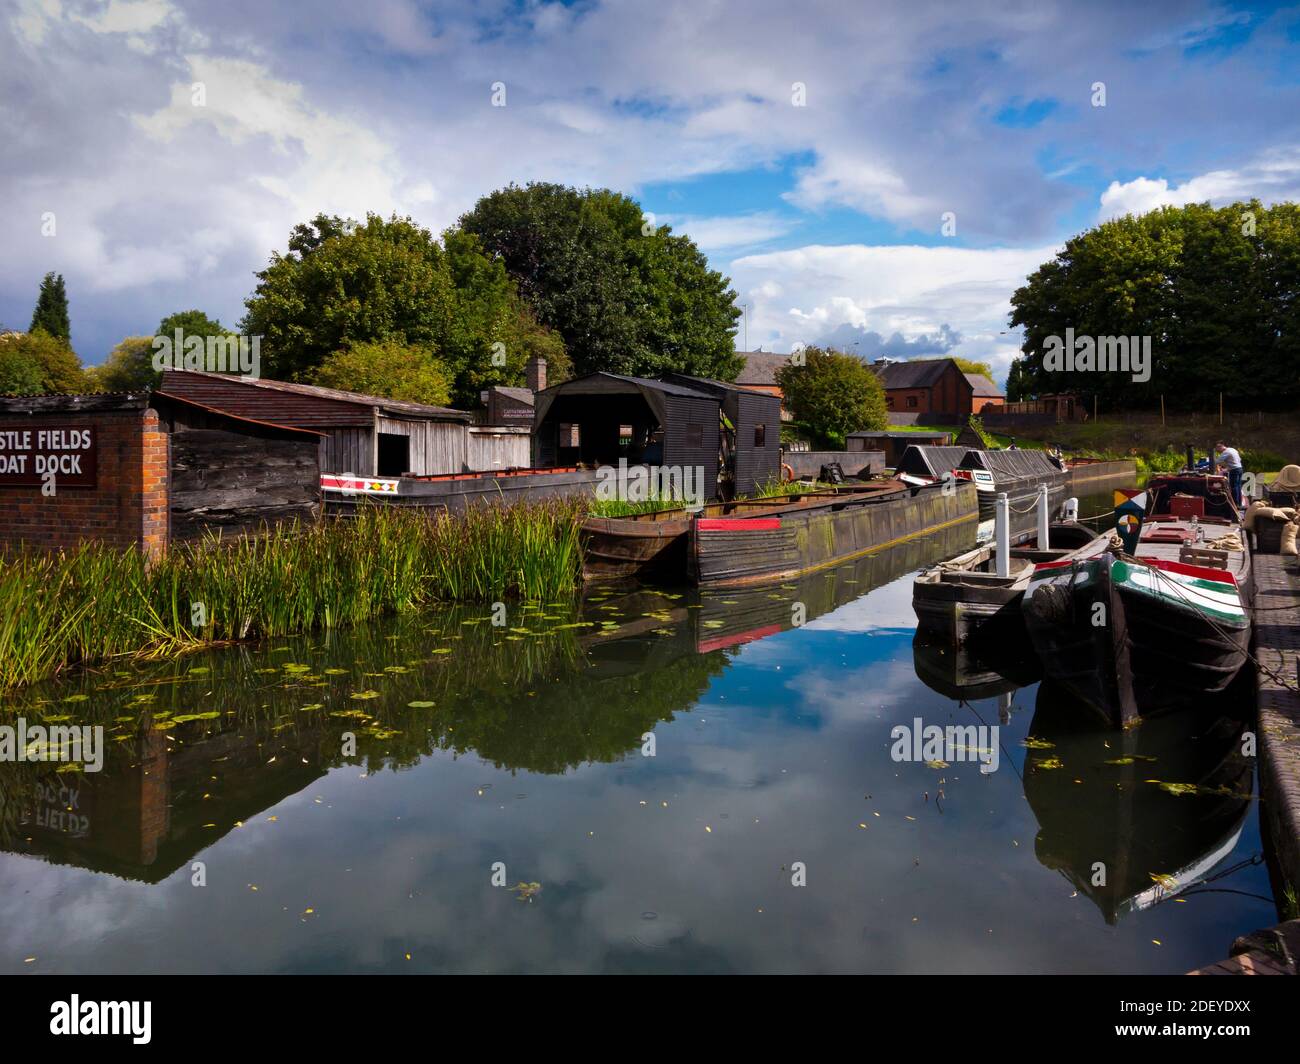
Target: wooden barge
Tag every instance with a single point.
(964, 599)
(756, 541)
(816, 532)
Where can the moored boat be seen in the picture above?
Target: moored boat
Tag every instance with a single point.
(758, 547)
(653, 545)
(964, 598)
(1136, 631)
(1017, 473)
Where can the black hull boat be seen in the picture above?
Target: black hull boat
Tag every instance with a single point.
(1137, 633)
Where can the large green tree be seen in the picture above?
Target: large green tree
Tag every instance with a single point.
(833, 394)
(51, 313)
(192, 323)
(128, 368)
(50, 362)
(388, 368)
(387, 281)
(1217, 291)
(19, 373)
(626, 296)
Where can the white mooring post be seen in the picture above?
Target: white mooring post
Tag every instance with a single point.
(1070, 511)
(1043, 518)
(1002, 534)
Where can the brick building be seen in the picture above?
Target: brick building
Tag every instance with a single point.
(934, 387)
(145, 469)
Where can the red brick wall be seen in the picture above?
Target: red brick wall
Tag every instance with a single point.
(129, 505)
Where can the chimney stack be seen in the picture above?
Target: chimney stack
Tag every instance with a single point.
(535, 374)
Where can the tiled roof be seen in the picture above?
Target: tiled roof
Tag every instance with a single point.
(760, 368)
(983, 386)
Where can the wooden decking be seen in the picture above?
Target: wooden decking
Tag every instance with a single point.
(1277, 648)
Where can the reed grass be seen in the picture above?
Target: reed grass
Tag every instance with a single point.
(93, 603)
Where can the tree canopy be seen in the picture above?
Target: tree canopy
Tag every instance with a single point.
(626, 296)
(192, 323)
(36, 363)
(128, 368)
(342, 284)
(51, 313)
(388, 368)
(1215, 290)
(833, 394)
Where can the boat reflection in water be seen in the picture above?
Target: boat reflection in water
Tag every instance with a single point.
(1133, 818)
(964, 674)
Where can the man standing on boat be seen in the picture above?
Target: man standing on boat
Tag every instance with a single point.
(1230, 461)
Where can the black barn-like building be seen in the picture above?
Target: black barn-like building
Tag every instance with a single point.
(676, 422)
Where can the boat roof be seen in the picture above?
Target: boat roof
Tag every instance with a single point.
(933, 461)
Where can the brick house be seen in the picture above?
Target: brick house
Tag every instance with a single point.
(934, 387)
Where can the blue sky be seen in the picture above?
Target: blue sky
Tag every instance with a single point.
(812, 150)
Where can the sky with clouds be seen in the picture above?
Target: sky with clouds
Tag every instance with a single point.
(813, 150)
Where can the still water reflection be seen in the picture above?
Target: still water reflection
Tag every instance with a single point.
(528, 745)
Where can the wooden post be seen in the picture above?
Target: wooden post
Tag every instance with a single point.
(1220, 408)
(1162, 409)
(1094, 406)
(1002, 535)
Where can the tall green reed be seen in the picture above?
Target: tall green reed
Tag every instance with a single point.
(93, 603)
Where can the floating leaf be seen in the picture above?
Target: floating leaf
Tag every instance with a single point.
(420, 705)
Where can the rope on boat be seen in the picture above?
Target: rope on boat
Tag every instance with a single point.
(1285, 684)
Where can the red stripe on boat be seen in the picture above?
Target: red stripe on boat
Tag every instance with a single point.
(1219, 576)
(1058, 565)
(738, 524)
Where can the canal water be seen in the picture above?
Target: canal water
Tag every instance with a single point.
(648, 782)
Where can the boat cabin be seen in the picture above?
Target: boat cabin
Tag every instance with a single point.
(1182, 496)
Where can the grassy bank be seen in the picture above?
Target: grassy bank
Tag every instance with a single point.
(94, 603)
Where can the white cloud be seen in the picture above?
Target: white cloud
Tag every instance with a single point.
(729, 232)
(1272, 177)
(915, 291)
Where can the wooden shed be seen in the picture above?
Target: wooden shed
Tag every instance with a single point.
(755, 440)
(363, 434)
(895, 443)
(602, 418)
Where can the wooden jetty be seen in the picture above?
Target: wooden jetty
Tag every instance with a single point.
(1277, 687)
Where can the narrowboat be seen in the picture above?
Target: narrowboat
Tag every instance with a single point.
(964, 598)
(756, 546)
(1157, 623)
(653, 545)
(1017, 473)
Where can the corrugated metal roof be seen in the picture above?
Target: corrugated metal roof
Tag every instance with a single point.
(1012, 465)
(182, 382)
(921, 460)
